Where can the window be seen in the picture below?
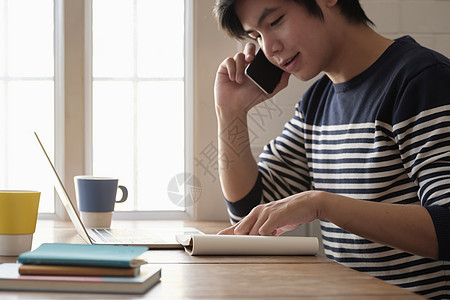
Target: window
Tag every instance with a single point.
(104, 84)
(26, 95)
(138, 98)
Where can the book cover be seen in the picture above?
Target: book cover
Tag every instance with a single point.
(76, 270)
(84, 255)
(10, 279)
(213, 244)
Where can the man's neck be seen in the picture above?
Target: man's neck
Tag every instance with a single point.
(358, 47)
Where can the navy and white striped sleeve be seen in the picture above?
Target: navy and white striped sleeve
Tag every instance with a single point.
(238, 210)
(283, 163)
(424, 142)
(282, 170)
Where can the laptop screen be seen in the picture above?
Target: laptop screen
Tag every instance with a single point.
(65, 199)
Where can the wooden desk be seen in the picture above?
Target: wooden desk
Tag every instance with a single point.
(219, 277)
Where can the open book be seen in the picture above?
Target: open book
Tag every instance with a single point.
(212, 244)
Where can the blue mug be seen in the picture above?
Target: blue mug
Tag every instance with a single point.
(98, 194)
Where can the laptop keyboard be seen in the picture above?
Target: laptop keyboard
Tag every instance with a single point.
(123, 236)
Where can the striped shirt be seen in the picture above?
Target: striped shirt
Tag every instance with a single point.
(383, 136)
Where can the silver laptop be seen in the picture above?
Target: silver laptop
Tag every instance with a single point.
(153, 238)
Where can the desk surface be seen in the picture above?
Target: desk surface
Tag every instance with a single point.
(220, 277)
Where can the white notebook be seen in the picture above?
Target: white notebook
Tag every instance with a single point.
(212, 244)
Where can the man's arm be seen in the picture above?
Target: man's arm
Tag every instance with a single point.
(406, 227)
(235, 95)
(237, 167)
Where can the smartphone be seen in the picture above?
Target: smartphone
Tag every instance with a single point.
(263, 73)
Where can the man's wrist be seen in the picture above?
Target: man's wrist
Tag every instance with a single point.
(227, 114)
(325, 203)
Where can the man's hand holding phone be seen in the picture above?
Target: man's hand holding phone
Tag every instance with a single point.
(247, 79)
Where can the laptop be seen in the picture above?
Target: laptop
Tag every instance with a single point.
(154, 238)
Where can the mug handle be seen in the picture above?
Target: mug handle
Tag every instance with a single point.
(124, 194)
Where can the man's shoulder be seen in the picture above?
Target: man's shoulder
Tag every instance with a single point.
(418, 65)
(409, 56)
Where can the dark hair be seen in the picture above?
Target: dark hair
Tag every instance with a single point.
(229, 21)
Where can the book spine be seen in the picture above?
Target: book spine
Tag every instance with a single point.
(76, 270)
(68, 262)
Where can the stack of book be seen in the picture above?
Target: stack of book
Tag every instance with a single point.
(80, 268)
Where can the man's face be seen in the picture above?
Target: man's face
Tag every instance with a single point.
(289, 36)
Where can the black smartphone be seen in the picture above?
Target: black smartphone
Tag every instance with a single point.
(263, 73)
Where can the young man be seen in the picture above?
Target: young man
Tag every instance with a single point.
(368, 148)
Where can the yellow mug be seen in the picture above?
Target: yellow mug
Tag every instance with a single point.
(18, 216)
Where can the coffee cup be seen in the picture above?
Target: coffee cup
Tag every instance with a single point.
(96, 198)
(18, 216)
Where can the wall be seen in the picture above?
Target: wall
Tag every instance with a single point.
(425, 20)
(210, 47)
